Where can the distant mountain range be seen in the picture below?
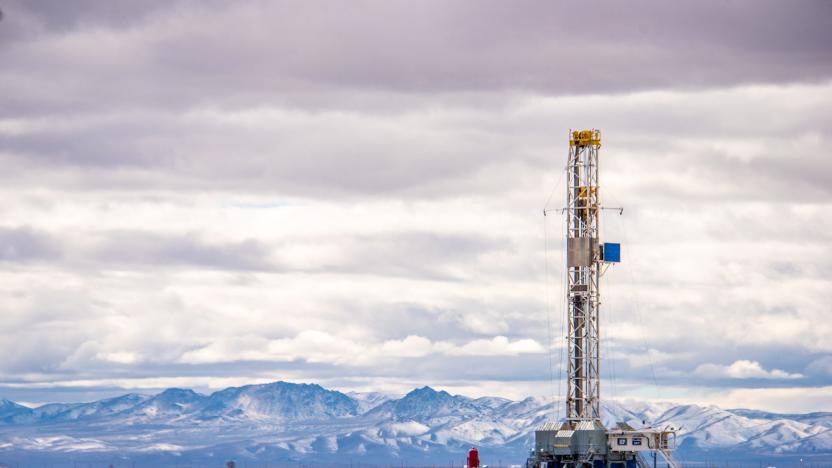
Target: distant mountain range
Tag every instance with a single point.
(286, 424)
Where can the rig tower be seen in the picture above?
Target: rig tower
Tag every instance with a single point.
(581, 440)
(584, 263)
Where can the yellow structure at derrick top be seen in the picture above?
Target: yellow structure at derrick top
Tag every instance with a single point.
(582, 191)
(585, 138)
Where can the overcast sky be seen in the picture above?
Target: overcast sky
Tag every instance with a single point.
(204, 194)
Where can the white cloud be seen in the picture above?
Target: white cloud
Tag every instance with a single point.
(742, 369)
(649, 358)
(320, 347)
(412, 346)
(497, 346)
(121, 357)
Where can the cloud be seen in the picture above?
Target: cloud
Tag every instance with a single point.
(321, 347)
(742, 369)
(180, 53)
(499, 345)
(783, 400)
(137, 249)
(122, 357)
(24, 244)
(412, 347)
(821, 365)
(436, 149)
(352, 195)
(637, 358)
(385, 253)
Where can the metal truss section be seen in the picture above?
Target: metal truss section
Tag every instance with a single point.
(584, 264)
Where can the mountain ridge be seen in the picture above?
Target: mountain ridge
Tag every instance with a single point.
(291, 422)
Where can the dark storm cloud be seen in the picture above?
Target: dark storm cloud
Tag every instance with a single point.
(279, 52)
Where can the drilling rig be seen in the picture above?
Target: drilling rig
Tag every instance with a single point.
(580, 440)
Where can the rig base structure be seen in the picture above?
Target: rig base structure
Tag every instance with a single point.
(589, 444)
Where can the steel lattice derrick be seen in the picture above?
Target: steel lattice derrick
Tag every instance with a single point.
(583, 297)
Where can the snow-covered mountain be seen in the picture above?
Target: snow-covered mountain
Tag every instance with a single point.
(286, 423)
(369, 400)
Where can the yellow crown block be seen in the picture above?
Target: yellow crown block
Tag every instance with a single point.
(585, 138)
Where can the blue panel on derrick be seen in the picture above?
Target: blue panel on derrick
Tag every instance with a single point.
(612, 252)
